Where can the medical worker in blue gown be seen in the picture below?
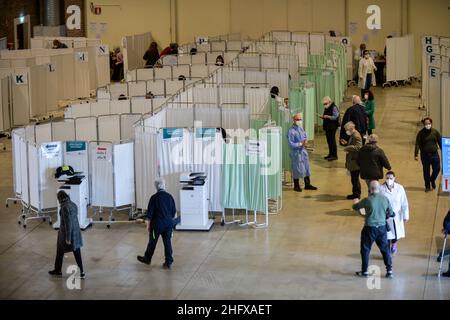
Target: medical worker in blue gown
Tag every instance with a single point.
(298, 141)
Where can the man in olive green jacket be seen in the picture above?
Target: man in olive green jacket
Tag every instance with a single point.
(351, 160)
(378, 210)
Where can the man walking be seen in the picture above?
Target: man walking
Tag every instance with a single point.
(160, 213)
(378, 210)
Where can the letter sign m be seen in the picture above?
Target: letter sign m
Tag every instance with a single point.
(74, 20)
(374, 20)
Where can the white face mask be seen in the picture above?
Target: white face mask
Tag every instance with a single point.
(299, 123)
(428, 126)
(390, 182)
(348, 132)
(366, 56)
(366, 97)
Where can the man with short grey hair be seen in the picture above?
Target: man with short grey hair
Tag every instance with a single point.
(378, 210)
(160, 213)
(331, 123)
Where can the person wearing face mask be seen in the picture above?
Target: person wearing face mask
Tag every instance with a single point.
(428, 141)
(399, 202)
(378, 210)
(351, 159)
(359, 54)
(369, 108)
(366, 72)
(298, 141)
(330, 125)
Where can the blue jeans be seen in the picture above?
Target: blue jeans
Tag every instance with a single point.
(369, 235)
(433, 160)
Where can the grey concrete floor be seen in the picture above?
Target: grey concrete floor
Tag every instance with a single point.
(310, 250)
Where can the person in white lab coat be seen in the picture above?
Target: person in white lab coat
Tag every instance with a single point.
(399, 202)
(359, 54)
(366, 72)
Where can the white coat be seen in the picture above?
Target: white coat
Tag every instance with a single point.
(366, 66)
(399, 203)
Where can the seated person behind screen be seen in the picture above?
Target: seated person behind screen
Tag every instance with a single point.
(58, 44)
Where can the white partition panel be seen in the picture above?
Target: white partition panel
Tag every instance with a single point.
(99, 108)
(181, 70)
(140, 105)
(317, 43)
(137, 89)
(124, 191)
(24, 177)
(257, 100)
(146, 170)
(173, 86)
(199, 71)
(43, 133)
(63, 130)
(218, 45)
(199, 58)
(234, 46)
(180, 117)
(117, 89)
(80, 110)
(158, 102)
(208, 115)
(205, 95)
(163, 73)
(127, 122)
(109, 128)
(235, 118)
(232, 95)
(144, 74)
(21, 97)
(17, 139)
(229, 76)
(81, 67)
(445, 100)
(33, 175)
(279, 79)
(50, 158)
(120, 106)
(86, 129)
(102, 174)
(184, 59)
(156, 87)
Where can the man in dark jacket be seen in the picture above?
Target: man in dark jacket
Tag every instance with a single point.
(69, 234)
(372, 160)
(330, 125)
(160, 213)
(351, 160)
(357, 115)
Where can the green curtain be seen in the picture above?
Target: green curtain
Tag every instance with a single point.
(273, 167)
(234, 177)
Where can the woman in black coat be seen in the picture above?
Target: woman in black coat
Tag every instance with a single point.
(69, 235)
(151, 56)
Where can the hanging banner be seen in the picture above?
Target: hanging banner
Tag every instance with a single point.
(205, 133)
(103, 154)
(172, 134)
(50, 150)
(76, 146)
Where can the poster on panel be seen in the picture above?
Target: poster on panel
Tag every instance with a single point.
(102, 184)
(50, 158)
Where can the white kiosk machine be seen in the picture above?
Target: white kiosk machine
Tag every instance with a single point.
(77, 189)
(194, 202)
